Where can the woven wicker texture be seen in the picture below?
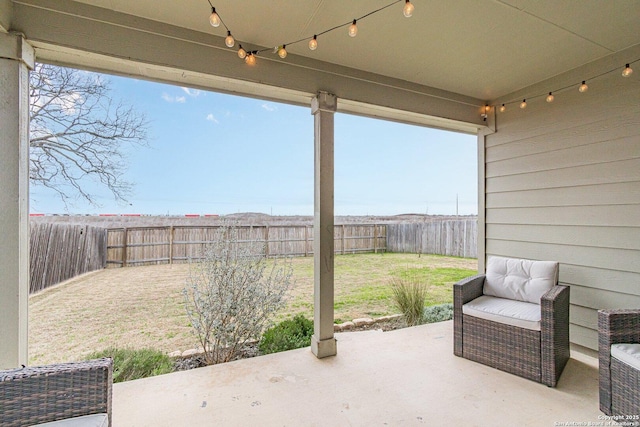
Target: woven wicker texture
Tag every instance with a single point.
(42, 394)
(619, 383)
(537, 355)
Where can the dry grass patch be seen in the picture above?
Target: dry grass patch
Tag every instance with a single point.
(142, 307)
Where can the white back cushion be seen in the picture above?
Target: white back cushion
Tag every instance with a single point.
(519, 279)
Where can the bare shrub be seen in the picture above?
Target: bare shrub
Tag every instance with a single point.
(232, 293)
(409, 295)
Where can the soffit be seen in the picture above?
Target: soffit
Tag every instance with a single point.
(479, 48)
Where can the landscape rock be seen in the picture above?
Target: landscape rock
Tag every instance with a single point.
(176, 353)
(191, 352)
(346, 326)
(363, 321)
(388, 318)
(336, 327)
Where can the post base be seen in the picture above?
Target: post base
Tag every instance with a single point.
(323, 348)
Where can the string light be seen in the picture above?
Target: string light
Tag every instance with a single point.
(250, 59)
(353, 29)
(229, 40)
(549, 96)
(523, 104)
(408, 9)
(214, 19)
(583, 87)
(242, 53)
(313, 43)
(282, 51)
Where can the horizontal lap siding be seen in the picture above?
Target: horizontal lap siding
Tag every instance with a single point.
(562, 183)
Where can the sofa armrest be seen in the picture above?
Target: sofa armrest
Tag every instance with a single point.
(554, 333)
(619, 326)
(467, 289)
(40, 394)
(464, 291)
(614, 327)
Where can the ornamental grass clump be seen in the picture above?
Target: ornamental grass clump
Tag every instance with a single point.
(132, 364)
(409, 295)
(233, 292)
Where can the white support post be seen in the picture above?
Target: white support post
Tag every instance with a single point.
(323, 343)
(16, 58)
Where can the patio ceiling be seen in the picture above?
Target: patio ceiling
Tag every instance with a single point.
(465, 52)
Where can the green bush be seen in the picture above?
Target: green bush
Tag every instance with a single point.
(438, 313)
(287, 335)
(409, 294)
(129, 364)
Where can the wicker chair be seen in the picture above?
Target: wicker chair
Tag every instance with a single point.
(619, 381)
(539, 355)
(41, 394)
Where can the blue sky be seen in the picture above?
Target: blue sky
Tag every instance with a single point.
(211, 153)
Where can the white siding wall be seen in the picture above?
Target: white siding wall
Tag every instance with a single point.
(563, 183)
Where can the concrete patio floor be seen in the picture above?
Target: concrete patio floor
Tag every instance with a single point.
(400, 378)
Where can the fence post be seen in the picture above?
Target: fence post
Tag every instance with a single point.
(266, 241)
(124, 247)
(342, 245)
(171, 244)
(375, 238)
(306, 240)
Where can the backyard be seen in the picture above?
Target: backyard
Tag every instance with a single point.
(142, 307)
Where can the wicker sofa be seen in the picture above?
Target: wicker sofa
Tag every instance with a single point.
(534, 345)
(619, 360)
(42, 394)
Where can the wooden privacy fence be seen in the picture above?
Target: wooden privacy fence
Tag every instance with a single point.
(449, 237)
(61, 251)
(177, 244)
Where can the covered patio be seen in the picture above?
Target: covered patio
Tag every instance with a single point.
(406, 377)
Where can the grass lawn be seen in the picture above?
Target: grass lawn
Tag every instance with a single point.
(142, 307)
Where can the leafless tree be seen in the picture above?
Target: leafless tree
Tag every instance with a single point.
(78, 132)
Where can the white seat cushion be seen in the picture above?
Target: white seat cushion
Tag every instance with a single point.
(95, 420)
(519, 279)
(515, 313)
(627, 353)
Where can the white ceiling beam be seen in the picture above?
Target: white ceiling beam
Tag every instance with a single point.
(85, 36)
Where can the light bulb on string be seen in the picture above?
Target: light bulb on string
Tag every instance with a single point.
(214, 18)
(313, 43)
(627, 71)
(229, 40)
(503, 108)
(250, 59)
(523, 104)
(408, 9)
(583, 87)
(550, 97)
(242, 53)
(353, 29)
(282, 51)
